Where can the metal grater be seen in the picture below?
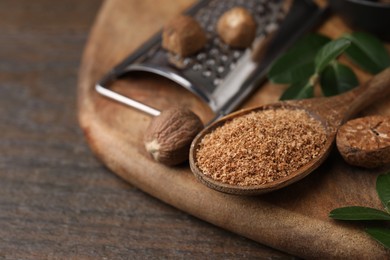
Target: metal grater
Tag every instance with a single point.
(220, 75)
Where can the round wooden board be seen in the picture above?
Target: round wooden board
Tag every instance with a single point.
(294, 219)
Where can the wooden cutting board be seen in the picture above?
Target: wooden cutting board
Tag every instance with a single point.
(294, 219)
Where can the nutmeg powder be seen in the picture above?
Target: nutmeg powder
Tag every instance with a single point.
(260, 147)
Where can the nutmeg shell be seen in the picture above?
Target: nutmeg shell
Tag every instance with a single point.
(183, 36)
(237, 27)
(365, 141)
(169, 135)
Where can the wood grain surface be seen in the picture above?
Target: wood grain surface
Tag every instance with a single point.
(294, 219)
(56, 200)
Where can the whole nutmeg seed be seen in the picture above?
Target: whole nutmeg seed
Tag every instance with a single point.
(169, 135)
(365, 141)
(237, 27)
(183, 36)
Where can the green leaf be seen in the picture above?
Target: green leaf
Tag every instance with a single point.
(299, 90)
(297, 63)
(383, 189)
(358, 213)
(329, 52)
(337, 78)
(296, 73)
(382, 235)
(314, 41)
(367, 52)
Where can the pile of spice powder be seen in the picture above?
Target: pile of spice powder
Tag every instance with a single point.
(260, 147)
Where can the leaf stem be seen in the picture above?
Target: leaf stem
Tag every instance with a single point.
(314, 79)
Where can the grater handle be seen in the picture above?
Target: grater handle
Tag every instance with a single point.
(103, 89)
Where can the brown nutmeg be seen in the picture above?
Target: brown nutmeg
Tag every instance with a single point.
(237, 27)
(169, 135)
(365, 141)
(183, 36)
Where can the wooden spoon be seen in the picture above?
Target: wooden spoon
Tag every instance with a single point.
(330, 112)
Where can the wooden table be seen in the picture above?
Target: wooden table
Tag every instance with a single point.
(56, 200)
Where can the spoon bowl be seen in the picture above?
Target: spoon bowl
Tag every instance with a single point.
(330, 112)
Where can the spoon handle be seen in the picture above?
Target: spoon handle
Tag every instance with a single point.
(375, 89)
(338, 109)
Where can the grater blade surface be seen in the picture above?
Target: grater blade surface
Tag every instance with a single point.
(220, 75)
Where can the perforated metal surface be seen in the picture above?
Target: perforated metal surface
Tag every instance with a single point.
(217, 59)
(220, 75)
(207, 72)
